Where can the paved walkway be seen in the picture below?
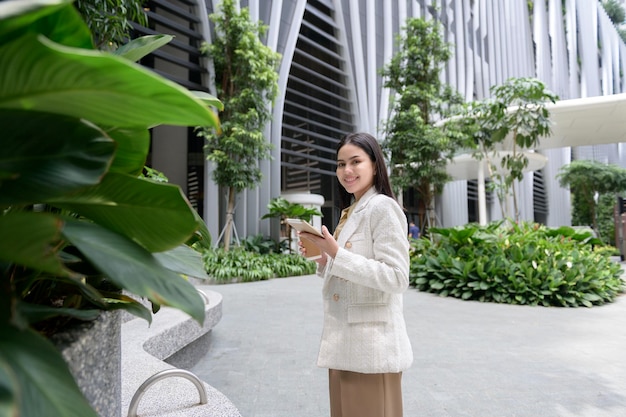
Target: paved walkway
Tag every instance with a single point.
(471, 359)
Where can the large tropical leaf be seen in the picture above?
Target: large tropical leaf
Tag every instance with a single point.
(39, 377)
(131, 267)
(140, 47)
(39, 163)
(37, 312)
(27, 239)
(155, 215)
(58, 20)
(208, 99)
(8, 386)
(118, 301)
(202, 236)
(38, 74)
(183, 260)
(132, 150)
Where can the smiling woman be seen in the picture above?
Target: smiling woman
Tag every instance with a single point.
(365, 267)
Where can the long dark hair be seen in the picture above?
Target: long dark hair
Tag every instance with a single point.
(371, 147)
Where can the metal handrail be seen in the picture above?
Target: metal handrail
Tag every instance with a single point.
(204, 296)
(134, 403)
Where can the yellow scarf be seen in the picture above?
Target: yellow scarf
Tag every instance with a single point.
(345, 213)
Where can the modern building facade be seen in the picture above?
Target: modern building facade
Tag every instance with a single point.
(329, 82)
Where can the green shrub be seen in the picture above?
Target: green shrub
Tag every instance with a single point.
(518, 264)
(240, 265)
(606, 218)
(263, 245)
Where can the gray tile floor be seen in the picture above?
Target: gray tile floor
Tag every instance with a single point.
(471, 359)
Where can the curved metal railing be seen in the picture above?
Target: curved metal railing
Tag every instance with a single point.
(134, 403)
(204, 296)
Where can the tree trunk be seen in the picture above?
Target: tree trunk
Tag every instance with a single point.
(230, 212)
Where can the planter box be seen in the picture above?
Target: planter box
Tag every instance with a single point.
(93, 352)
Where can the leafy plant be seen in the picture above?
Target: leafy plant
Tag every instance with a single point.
(77, 223)
(606, 218)
(588, 180)
(110, 21)
(517, 109)
(263, 245)
(154, 175)
(246, 81)
(281, 208)
(615, 10)
(419, 151)
(517, 264)
(240, 265)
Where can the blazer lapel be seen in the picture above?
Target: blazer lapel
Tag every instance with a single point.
(352, 225)
(355, 219)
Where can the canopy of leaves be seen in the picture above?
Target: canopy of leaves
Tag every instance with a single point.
(585, 178)
(517, 107)
(615, 10)
(587, 181)
(513, 119)
(418, 151)
(246, 82)
(110, 20)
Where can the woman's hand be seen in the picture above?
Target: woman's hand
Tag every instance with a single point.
(328, 245)
(321, 261)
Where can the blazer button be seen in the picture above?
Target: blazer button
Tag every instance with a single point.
(336, 297)
(348, 245)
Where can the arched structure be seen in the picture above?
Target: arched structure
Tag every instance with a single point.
(330, 84)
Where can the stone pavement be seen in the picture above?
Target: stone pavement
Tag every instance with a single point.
(471, 359)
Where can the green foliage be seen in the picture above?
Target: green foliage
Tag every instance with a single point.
(110, 21)
(514, 119)
(518, 264)
(418, 151)
(77, 224)
(606, 218)
(283, 209)
(262, 245)
(247, 83)
(154, 175)
(239, 265)
(615, 10)
(588, 180)
(583, 213)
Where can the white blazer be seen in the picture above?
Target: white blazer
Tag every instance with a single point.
(364, 329)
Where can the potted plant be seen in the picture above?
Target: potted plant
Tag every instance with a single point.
(77, 223)
(281, 208)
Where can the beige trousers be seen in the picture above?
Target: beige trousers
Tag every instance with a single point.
(353, 394)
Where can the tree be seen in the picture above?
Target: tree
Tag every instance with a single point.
(516, 113)
(246, 82)
(418, 151)
(109, 21)
(587, 181)
(615, 10)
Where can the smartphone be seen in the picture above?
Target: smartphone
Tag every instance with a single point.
(312, 251)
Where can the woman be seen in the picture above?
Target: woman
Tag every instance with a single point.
(365, 269)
